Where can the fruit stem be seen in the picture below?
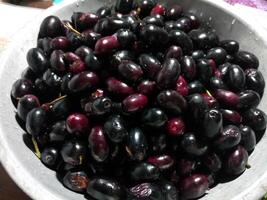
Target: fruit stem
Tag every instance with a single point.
(208, 92)
(36, 148)
(69, 27)
(45, 105)
(248, 166)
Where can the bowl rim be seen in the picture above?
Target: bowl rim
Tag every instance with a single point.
(256, 190)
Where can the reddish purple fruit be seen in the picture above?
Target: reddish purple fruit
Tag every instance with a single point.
(135, 103)
(181, 86)
(106, 45)
(147, 87)
(158, 10)
(176, 127)
(226, 97)
(231, 116)
(174, 52)
(163, 162)
(77, 123)
(118, 87)
(26, 104)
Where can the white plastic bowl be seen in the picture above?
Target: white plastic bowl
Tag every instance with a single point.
(41, 183)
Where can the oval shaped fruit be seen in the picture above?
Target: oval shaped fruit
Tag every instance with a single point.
(118, 87)
(26, 104)
(119, 56)
(50, 156)
(255, 81)
(157, 20)
(226, 98)
(134, 103)
(204, 69)
(236, 161)
(248, 138)
(230, 46)
(174, 52)
(36, 122)
(124, 6)
(146, 87)
(197, 106)
(115, 128)
(103, 12)
(212, 123)
(101, 106)
(230, 137)
(210, 101)
(126, 38)
(100, 188)
(189, 67)
(198, 54)
(194, 186)
(213, 162)
(144, 172)
(106, 45)
(216, 83)
(98, 144)
(255, 118)
(174, 12)
(231, 117)
(203, 39)
(37, 60)
(196, 87)
(51, 26)
(186, 166)
(181, 39)
(60, 43)
(92, 62)
(130, 70)
(235, 78)
(153, 118)
(145, 191)
(150, 65)
(172, 101)
(248, 99)
(169, 73)
(181, 86)
(246, 60)
(136, 144)
(58, 132)
(57, 61)
(83, 81)
(90, 38)
(192, 146)
(218, 54)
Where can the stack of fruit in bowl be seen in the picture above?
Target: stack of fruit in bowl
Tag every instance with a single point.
(140, 101)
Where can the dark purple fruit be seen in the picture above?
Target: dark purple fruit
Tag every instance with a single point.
(174, 52)
(147, 87)
(103, 12)
(213, 162)
(98, 144)
(216, 83)
(195, 87)
(235, 78)
(174, 12)
(172, 101)
(230, 46)
(154, 35)
(203, 39)
(236, 162)
(231, 117)
(74, 152)
(189, 68)
(76, 181)
(130, 70)
(64, 89)
(154, 118)
(136, 144)
(100, 189)
(37, 60)
(169, 73)
(51, 27)
(77, 123)
(26, 104)
(157, 143)
(255, 118)
(230, 137)
(52, 79)
(197, 107)
(210, 101)
(248, 138)
(60, 43)
(82, 52)
(119, 88)
(226, 98)
(212, 123)
(36, 122)
(126, 38)
(50, 156)
(194, 186)
(218, 54)
(194, 21)
(144, 172)
(144, 7)
(83, 81)
(182, 86)
(90, 38)
(57, 62)
(85, 21)
(198, 54)
(134, 103)
(169, 190)
(204, 70)
(255, 81)
(101, 106)
(246, 60)
(115, 128)
(180, 38)
(192, 145)
(248, 99)
(150, 65)
(183, 24)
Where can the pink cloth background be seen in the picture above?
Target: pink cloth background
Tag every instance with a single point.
(260, 4)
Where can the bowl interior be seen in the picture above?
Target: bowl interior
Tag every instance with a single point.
(40, 182)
